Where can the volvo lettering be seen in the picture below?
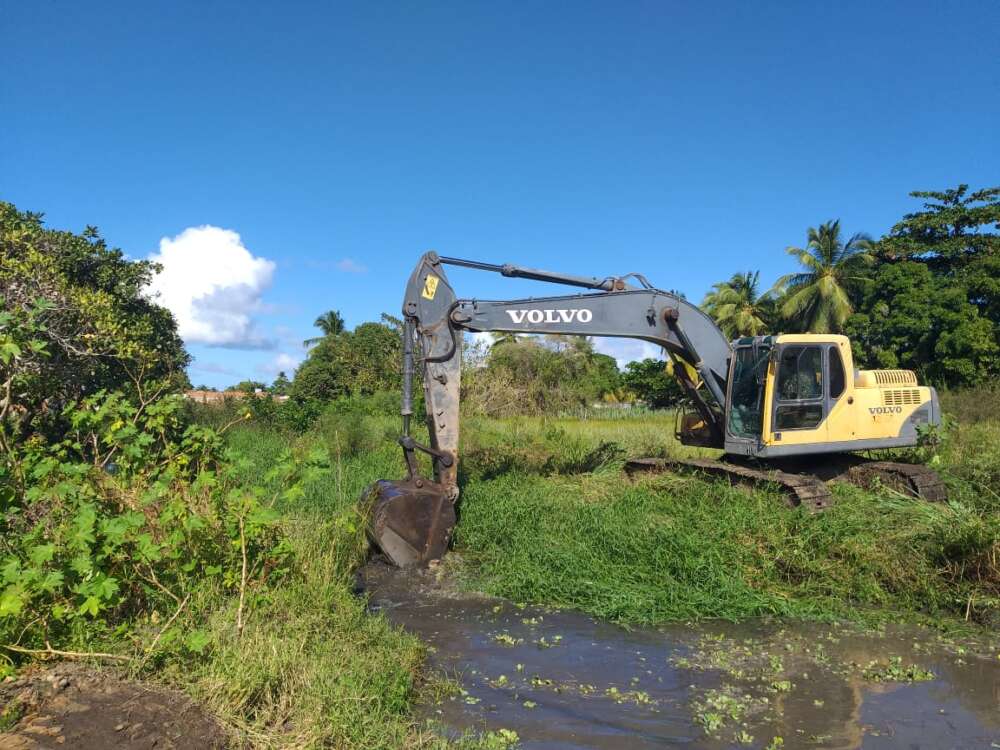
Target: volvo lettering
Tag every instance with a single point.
(582, 315)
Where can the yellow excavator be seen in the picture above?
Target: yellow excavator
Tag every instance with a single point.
(787, 410)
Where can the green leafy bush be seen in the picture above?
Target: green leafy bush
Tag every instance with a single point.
(118, 524)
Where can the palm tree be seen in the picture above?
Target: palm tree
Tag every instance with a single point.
(330, 323)
(817, 296)
(737, 306)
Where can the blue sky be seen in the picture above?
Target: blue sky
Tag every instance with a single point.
(686, 141)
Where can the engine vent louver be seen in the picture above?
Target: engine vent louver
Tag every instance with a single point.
(895, 377)
(900, 397)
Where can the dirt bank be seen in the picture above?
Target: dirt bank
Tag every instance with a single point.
(74, 706)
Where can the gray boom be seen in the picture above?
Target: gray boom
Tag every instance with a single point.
(436, 318)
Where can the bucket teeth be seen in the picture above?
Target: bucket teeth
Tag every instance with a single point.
(410, 520)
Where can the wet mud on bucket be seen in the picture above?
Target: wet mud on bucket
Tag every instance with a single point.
(410, 521)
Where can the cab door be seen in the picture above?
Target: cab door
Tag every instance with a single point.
(800, 399)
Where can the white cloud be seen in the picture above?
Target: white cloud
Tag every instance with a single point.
(627, 350)
(347, 265)
(212, 284)
(284, 362)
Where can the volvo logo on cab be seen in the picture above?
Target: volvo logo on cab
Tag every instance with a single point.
(885, 409)
(582, 315)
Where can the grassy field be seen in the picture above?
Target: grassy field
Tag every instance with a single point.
(547, 515)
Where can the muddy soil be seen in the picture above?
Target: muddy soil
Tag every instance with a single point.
(73, 706)
(560, 679)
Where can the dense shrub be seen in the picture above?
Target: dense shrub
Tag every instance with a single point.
(531, 376)
(116, 526)
(74, 320)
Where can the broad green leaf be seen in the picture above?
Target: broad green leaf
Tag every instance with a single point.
(197, 640)
(12, 601)
(91, 606)
(42, 553)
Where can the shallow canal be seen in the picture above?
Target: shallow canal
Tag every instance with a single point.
(560, 679)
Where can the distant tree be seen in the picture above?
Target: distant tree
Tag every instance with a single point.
(739, 308)
(911, 318)
(532, 376)
(651, 383)
(359, 362)
(950, 228)
(506, 337)
(952, 235)
(816, 298)
(331, 323)
(281, 384)
(376, 353)
(396, 324)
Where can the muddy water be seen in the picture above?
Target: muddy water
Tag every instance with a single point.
(560, 679)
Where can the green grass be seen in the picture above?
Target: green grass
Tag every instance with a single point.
(671, 548)
(547, 515)
(313, 668)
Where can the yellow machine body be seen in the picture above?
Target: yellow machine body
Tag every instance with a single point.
(800, 394)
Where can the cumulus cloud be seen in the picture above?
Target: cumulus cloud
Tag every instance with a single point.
(348, 265)
(213, 286)
(284, 362)
(627, 350)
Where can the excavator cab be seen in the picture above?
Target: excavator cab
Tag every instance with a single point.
(799, 394)
(784, 386)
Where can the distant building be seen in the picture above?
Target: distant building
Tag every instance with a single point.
(220, 397)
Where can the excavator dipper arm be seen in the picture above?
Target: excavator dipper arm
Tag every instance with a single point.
(411, 520)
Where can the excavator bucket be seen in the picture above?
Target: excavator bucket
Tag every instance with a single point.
(410, 520)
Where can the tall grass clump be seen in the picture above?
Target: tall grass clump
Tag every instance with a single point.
(970, 406)
(312, 668)
(672, 548)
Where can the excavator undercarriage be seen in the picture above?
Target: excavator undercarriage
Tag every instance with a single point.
(784, 411)
(806, 483)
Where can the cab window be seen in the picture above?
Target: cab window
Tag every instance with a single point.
(836, 373)
(799, 388)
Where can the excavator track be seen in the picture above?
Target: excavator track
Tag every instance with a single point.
(798, 489)
(912, 480)
(804, 485)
